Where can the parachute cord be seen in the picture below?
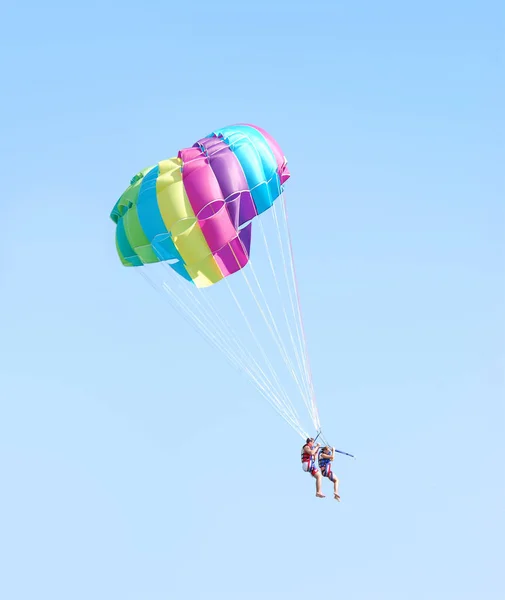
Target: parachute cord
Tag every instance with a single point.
(244, 359)
(288, 404)
(289, 325)
(277, 336)
(295, 306)
(182, 310)
(280, 346)
(248, 356)
(305, 344)
(265, 387)
(286, 318)
(291, 295)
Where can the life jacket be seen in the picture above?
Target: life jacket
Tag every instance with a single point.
(307, 457)
(323, 462)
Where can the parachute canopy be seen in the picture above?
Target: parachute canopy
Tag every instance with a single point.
(195, 211)
(189, 219)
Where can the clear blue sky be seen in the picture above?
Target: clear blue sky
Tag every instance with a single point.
(116, 480)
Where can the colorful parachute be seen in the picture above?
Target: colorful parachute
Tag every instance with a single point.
(189, 218)
(195, 211)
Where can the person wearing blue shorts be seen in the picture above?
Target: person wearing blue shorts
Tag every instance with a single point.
(326, 455)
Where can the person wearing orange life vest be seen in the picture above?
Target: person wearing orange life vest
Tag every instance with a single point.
(309, 453)
(325, 457)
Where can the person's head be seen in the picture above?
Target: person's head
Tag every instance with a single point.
(310, 442)
(326, 450)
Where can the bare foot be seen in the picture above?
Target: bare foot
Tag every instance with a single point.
(337, 497)
(320, 495)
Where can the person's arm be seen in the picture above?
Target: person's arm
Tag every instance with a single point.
(312, 451)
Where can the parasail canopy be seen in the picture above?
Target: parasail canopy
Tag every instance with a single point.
(193, 216)
(195, 210)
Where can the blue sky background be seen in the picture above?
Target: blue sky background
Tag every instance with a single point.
(124, 474)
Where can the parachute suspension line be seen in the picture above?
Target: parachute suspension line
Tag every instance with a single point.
(295, 281)
(294, 310)
(245, 360)
(146, 277)
(242, 361)
(286, 318)
(249, 359)
(267, 248)
(192, 318)
(295, 307)
(183, 311)
(274, 331)
(287, 403)
(306, 399)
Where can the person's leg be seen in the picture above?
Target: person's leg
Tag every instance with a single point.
(334, 478)
(319, 479)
